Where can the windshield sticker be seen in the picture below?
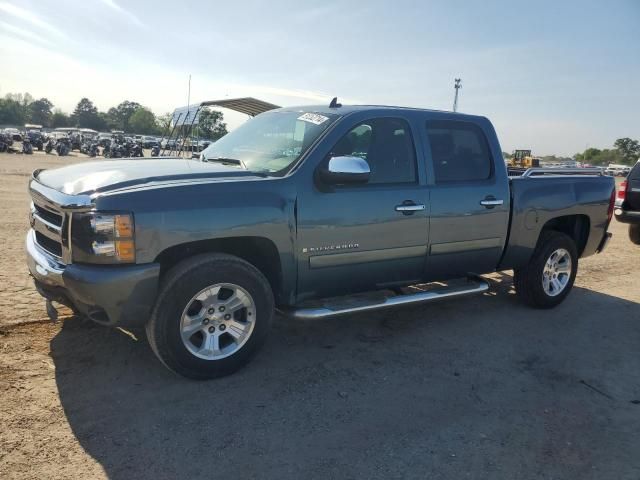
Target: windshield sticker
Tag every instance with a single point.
(314, 118)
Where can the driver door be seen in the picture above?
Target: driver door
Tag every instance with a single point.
(356, 237)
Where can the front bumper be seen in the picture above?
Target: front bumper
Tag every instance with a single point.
(121, 295)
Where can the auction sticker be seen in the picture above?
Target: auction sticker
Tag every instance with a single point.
(314, 118)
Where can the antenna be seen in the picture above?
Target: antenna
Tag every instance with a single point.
(457, 85)
(334, 103)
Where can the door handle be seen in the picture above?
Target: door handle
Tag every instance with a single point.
(491, 201)
(408, 207)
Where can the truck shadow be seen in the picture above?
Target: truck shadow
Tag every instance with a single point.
(429, 391)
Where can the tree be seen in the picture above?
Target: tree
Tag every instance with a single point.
(163, 124)
(86, 115)
(629, 149)
(595, 156)
(211, 124)
(11, 112)
(60, 119)
(23, 99)
(123, 112)
(40, 112)
(14, 109)
(143, 121)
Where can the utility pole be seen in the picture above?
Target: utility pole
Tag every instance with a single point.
(188, 106)
(457, 85)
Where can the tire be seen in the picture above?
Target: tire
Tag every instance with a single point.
(529, 280)
(176, 308)
(634, 234)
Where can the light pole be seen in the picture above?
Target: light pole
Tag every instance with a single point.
(457, 85)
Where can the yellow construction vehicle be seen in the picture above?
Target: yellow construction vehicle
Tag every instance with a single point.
(523, 159)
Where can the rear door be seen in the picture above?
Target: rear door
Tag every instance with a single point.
(469, 199)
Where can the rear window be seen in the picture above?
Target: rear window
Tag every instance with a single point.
(459, 151)
(634, 174)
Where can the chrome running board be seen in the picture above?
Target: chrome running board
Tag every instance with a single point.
(327, 308)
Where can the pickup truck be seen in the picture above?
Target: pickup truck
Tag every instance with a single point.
(312, 212)
(627, 205)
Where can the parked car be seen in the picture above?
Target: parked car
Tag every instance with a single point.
(294, 208)
(14, 133)
(171, 144)
(104, 139)
(627, 208)
(36, 139)
(149, 142)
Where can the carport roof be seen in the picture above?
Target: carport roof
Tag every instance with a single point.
(247, 105)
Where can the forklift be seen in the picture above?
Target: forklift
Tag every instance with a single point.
(523, 159)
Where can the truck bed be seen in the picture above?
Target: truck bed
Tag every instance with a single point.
(576, 198)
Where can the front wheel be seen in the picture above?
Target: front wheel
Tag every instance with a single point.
(548, 277)
(212, 315)
(634, 233)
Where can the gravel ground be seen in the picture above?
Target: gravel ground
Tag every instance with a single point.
(475, 388)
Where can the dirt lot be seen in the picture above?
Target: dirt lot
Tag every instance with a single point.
(474, 388)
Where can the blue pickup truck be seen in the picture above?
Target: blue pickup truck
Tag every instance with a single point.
(313, 212)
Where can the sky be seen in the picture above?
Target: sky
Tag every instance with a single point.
(553, 76)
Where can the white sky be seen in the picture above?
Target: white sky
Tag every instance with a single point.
(552, 76)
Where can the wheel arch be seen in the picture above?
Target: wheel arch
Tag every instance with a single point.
(575, 226)
(260, 252)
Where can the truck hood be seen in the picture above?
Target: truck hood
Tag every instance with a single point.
(108, 175)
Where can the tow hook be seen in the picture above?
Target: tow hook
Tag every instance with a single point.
(52, 312)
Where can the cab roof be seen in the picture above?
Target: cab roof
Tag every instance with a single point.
(348, 109)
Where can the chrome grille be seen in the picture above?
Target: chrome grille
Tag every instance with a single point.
(48, 215)
(48, 225)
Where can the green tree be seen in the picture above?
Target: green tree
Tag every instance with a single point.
(122, 113)
(11, 112)
(143, 121)
(86, 115)
(595, 156)
(112, 120)
(629, 149)
(163, 124)
(40, 112)
(211, 124)
(60, 119)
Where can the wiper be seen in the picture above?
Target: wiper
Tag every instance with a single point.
(235, 161)
(226, 160)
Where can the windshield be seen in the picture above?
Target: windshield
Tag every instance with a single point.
(270, 142)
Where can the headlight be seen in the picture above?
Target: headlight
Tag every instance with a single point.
(98, 237)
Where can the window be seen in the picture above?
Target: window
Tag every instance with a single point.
(459, 151)
(386, 145)
(270, 142)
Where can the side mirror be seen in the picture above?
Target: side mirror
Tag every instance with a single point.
(345, 170)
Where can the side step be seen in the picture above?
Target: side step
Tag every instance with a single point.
(342, 306)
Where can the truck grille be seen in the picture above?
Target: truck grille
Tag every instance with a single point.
(48, 225)
(49, 245)
(48, 215)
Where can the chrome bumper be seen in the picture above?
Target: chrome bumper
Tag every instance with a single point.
(111, 295)
(43, 267)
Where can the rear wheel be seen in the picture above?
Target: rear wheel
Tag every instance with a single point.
(634, 234)
(212, 315)
(548, 277)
